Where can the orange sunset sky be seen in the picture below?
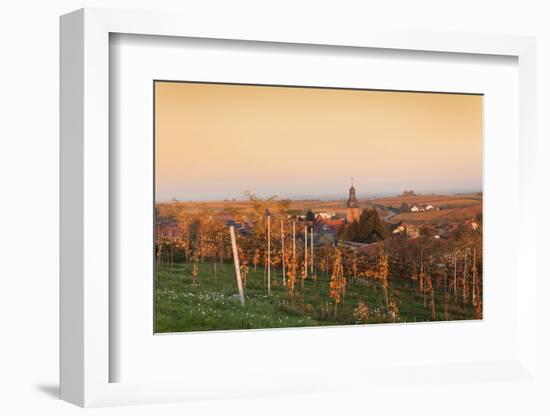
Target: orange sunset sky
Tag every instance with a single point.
(215, 141)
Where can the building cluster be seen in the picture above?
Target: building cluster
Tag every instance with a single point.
(326, 225)
(424, 207)
(410, 230)
(437, 231)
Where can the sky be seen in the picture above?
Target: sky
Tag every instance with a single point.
(216, 141)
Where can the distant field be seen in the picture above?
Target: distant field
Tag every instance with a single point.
(451, 201)
(453, 214)
(456, 207)
(337, 206)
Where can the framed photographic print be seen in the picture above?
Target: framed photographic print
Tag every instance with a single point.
(267, 212)
(262, 171)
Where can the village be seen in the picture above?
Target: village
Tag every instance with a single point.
(408, 215)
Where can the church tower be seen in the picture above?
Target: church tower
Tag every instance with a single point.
(352, 207)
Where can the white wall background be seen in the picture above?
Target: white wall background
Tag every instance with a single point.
(29, 205)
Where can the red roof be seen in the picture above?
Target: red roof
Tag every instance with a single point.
(335, 224)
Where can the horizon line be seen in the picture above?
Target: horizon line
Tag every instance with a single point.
(318, 198)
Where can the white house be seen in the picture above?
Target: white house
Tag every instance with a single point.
(399, 229)
(324, 215)
(422, 208)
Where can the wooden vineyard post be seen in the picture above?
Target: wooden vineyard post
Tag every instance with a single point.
(305, 250)
(283, 251)
(454, 280)
(159, 249)
(294, 239)
(432, 297)
(171, 252)
(157, 258)
(465, 276)
(421, 281)
(265, 271)
(474, 278)
(268, 255)
(311, 247)
(187, 242)
(197, 247)
(221, 248)
(236, 261)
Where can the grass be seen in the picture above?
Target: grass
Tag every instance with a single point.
(212, 303)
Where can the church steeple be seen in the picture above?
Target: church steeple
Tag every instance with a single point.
(352, 199)
(352, 206)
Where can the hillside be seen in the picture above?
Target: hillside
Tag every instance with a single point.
(444, 215)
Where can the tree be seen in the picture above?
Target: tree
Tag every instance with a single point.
(243, 262)
(341, 233)
(291, 274)
(293, 213)
(375, 228)
(425, 231)
(337, 281)
(284, 206)
(363, 229)
(310, 216)
(256, 258)
(259, 209)
(404, 207)
(383, 270)
(368, 229)
(351, 231)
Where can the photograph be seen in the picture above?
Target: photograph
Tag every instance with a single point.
(283, 206)
(279, 208)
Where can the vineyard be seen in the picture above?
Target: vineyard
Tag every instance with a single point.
(264, 269)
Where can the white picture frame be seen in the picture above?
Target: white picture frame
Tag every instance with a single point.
(85, 209)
